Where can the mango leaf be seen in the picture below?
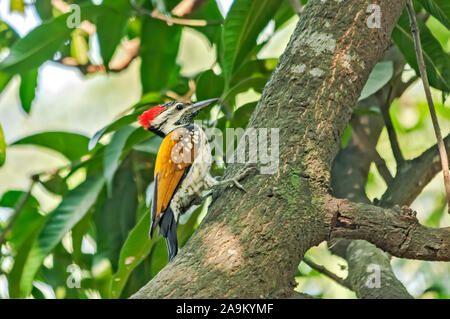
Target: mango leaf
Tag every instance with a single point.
(380, 75)
(256, 83)
(72, 146)
(45, 9)
(436, 59)
(117, 215)
(210, 11)
(2, 147)
(135, 249)
(112, 154)
(244, 22)
(69, 212)
(28, 219)
(159, 50)
(7, 35)
(22, 235)
(110, 29)
(4, 80)
(440, 9)
(253, 68)
(38, 46)
(150, 145)
(27, 90)
(209, 86)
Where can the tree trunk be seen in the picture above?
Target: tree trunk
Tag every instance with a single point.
(249, 245)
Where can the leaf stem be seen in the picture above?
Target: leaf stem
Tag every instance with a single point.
(423, 73)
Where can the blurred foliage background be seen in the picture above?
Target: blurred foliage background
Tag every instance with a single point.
(76, 175)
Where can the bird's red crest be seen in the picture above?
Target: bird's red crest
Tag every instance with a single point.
(147, 117)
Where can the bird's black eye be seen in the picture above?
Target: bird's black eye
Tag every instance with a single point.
(179, 107)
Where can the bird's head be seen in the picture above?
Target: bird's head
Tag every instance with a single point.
(163, 119)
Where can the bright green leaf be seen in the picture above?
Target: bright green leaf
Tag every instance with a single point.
(27, 90)
(244, 22)
(380, 75)
(209, 86)
(440, 9)
(436, 59)
(110, 29)
(159, 50)
(2, 147)
(112, 154)
(72, 146)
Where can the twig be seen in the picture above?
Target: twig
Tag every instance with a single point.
(362, 140)
(186, 7)
(423, 73)
(390, 130)
(171, 20)
(17, 210)
(327, 273)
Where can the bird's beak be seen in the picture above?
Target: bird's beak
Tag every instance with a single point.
(200, 105)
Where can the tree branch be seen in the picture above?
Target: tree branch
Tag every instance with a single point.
(413, 177)
(327, 273)
(395, 230)
(391, 131)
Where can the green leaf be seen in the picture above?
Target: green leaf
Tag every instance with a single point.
(256, 83)
(150, 145)
(209, 86)
(4, 80)
(440, 9)
(159, 50)
(244, 22)
(43, 42)
(117, 215)
(135, 249)
(436, 59)
(380, 75)
(72, 146)
(112, 154)
(2, 147)
(110, 29)
(7, 35)
(45, 9)
(69, 212)
(28, 219)
(37, 46)
(210, 12)
(27, 90)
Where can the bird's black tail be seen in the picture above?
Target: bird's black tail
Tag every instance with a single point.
(168, 228)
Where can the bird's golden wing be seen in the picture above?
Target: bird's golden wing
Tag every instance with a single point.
(175, 155)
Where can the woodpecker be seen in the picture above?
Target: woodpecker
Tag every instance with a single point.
(182, 166)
